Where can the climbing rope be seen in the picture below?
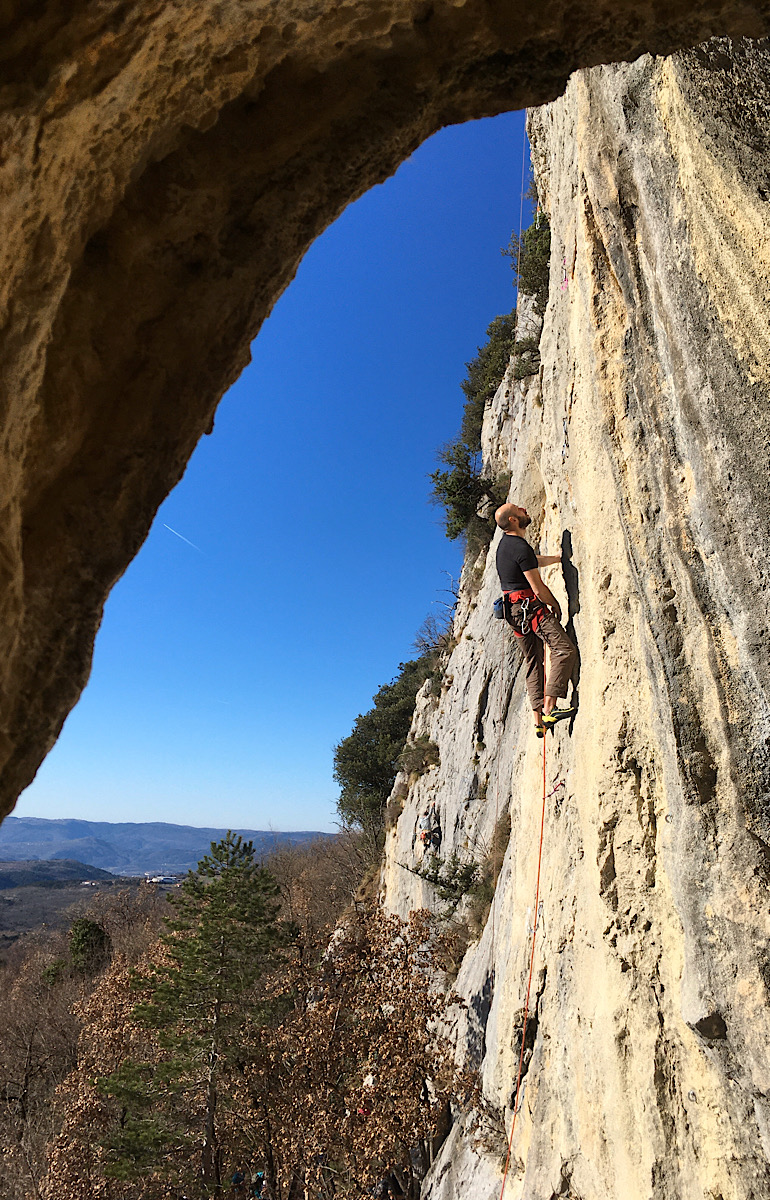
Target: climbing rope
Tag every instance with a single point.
(521, 219)
(502, 629)
(535, 923)
(529, 981)
(495, 870)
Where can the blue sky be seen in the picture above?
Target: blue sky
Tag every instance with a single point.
(226, 670)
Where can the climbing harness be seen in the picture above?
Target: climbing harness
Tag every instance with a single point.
(530, 616)
(532, 611)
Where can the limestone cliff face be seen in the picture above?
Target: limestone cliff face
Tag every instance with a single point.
(643, 447)
(163, 167)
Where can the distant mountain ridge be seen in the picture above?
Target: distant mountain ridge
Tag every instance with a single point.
(126, 848)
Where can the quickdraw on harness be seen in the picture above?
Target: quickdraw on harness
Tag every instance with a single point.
(531, 613)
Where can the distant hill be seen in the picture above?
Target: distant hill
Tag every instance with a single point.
(24, 873)
(128, 848)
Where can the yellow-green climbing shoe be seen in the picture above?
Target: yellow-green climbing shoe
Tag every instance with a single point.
(558, 714)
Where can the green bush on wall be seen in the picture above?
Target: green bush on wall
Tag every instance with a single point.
(485, 373)
(461, 489)
(452, 877)
(459, 485)
(527, 352)
(418, 756)
(531, 260)
(367, 761)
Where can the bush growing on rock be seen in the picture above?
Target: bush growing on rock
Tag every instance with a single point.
(367, 760)
(530, 258)
(463, 489)
(418, 756)
(527, 352)
(485, 373)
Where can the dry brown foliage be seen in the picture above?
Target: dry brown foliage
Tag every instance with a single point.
(40, 1022)
(38, 1033)
(354, 1084)
(318, 881)
(108, 1036)
(349, 1083)
(343, 1077)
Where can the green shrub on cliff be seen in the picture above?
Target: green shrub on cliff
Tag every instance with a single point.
(485, 373)
(462, 489)
(419, 756)
(527, 352)
(367, 760)
(530, 258)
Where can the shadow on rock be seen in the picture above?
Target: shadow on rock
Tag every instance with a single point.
(572, 584)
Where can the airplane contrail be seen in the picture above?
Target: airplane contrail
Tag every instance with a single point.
(179, 535)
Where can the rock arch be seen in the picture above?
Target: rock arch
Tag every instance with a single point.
(162, 170)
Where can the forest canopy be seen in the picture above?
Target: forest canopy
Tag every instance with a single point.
(220, 1045)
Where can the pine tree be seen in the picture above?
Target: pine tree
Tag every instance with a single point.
(193, 1001)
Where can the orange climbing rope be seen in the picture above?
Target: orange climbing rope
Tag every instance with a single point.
(542, 814)
(497, 797)
(529, 983)
(502, 630)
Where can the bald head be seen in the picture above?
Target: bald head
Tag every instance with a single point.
(512, 519)
(504, 514)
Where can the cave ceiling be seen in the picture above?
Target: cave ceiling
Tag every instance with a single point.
(163, 168)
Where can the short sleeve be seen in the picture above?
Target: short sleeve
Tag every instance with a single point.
(526, 557)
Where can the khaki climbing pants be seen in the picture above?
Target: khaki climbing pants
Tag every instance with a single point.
(562, 658)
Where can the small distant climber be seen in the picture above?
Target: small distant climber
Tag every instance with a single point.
(429, 828)
(534, 614)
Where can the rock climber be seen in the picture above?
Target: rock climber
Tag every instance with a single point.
(534, 614)
(429, 829)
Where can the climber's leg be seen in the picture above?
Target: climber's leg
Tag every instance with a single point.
(533, 658)
(562, 658)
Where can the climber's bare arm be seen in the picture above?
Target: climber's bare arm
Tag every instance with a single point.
(542, 592)
(548, 560)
